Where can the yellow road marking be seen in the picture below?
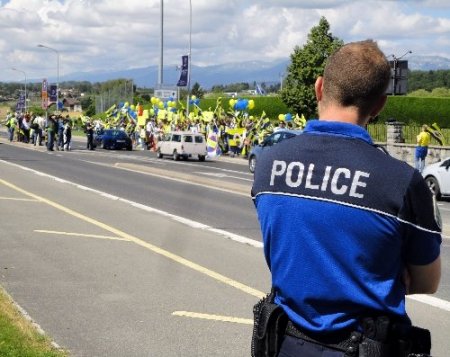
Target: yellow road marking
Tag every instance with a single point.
(176, 258)
(18, 199)
(98, 236)
(197, 315)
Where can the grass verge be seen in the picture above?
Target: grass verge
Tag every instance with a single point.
(18, 336)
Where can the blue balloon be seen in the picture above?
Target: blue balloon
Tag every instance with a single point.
(197, 101)
(121, 104)
(288, 117)
(132, 113)
(241, 104)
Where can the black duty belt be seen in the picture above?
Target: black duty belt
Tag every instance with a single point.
(349, 344)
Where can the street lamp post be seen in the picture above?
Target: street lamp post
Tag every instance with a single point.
(189, 59)
(394, 77)
(18, 70)
(57, 72)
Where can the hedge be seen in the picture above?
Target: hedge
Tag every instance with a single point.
(410, 110)
(417, 110)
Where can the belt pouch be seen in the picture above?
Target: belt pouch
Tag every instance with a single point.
(269, 327)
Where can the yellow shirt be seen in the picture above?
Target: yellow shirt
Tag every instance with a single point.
(423, 139)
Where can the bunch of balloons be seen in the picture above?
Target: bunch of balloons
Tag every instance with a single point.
(194, 100)
(158, 104)
(285, 117)
(241, 104)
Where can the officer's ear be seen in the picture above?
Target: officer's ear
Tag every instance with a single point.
(318, 87)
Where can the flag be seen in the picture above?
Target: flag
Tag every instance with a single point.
(183, 81)
(212, 146)
(260, 90)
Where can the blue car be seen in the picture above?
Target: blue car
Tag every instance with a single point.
(114, 139)
(267, 143)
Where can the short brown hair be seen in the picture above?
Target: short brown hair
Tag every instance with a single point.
(357, 74)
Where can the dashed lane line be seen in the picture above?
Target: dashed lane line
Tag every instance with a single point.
(97, 236)
(197, 315)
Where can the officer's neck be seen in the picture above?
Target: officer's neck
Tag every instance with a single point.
(342, 114)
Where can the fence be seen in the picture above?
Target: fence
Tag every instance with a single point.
(116, 95)
(378, 133)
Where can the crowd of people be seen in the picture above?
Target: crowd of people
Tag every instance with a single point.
(55, 131)
(234, 135)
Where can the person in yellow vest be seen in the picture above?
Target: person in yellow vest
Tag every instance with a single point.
(423, 141)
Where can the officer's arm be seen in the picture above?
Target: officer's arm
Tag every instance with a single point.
(423, 279)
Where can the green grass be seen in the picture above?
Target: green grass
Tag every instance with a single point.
(18, 337)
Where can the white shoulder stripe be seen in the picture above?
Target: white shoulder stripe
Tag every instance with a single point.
(348, 205)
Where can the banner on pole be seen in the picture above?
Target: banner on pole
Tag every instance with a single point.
(183, 81)
(53, 96)
(20, 106)
(44, 94)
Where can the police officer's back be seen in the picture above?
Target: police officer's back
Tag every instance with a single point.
(348, 231)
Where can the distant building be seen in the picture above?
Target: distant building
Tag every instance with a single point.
(72, 104)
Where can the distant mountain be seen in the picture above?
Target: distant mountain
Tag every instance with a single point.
(247, 72)
(428, 63)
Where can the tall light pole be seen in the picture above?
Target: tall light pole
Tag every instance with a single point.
(161, 45)
(57, 72)
(18, 70)
(189, 59)
(394, 77)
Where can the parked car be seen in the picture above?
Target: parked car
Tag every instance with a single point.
(182, 144)
(113, 139)
(267, 143)
(437, 176)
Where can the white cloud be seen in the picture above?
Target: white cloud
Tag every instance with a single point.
(98, 35)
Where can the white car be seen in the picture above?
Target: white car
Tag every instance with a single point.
(437, 176)
(182, 144)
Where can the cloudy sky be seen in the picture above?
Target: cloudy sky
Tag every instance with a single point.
(102, 35)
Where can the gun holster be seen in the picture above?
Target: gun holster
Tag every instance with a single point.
(269, 327)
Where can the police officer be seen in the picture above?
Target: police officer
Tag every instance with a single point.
(348, 231)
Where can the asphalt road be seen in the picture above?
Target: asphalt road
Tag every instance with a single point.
(121, 254)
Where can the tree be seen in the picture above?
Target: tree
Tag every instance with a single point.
(197, 90)
(307, 63)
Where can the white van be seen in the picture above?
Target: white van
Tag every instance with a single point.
(182, 144)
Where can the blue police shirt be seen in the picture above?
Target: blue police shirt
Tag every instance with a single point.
(340, 219)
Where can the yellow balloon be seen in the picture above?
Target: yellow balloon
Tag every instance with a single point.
(232, 102)
(193, 97)
(153, 100)
(281, 117)
(161, 105)
(126, 104)
(132, 107)
(152, 111)
(251, 104)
